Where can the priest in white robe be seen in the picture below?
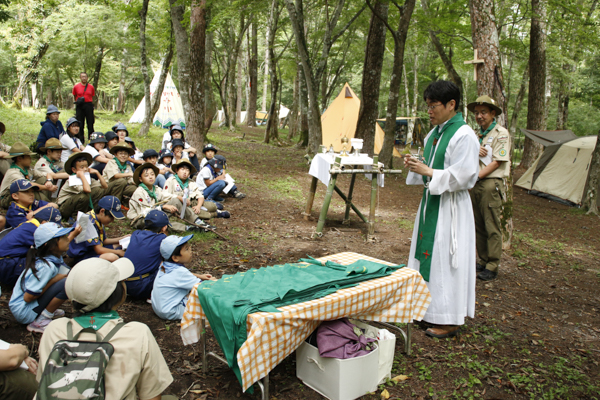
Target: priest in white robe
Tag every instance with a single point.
(445, 215)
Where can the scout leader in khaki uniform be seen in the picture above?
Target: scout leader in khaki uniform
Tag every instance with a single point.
(488, 192)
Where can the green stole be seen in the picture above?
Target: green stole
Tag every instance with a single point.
(430, 204)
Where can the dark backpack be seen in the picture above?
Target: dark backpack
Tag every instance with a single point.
(75, 369)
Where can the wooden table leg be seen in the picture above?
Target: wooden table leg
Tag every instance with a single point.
(371, 231)
(311, 197)
(325, 208)
(349, 199)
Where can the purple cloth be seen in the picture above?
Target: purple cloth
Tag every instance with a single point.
(338, 339)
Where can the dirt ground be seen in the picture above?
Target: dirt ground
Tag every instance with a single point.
(536, 333)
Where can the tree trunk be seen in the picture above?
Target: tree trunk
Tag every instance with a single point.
(28, 74)
(253, 72)
(271, 131)
(195, 130)
(265, 76)
(303, 124)
(489, 82)
(387, 150)
(294, 111)
(96, 75)
(144, 68)
(369, 105)
(122, 81)
(519, 102)
(231, 75)
(210, 106)
(240, 92)
(564, 88)
(537, 81)
(183, 55)
(592, 186)
(164, 70)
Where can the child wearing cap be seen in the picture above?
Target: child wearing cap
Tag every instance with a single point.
(70, 140)
(151, 156)
(40, 289)
(51, 126)
(136, 158)
(112, 139)
(144, 253)
(16, 243)
(95, 148)
(174, 281)
(108, 208)
(137, 368)
(212, 180)
(180, 181)
(20, 168)
(121, 130)
(82, 196)
(24, 205)
(49, 167)
(119, 168)
(147, 195)
(165, 160)
(209, 152)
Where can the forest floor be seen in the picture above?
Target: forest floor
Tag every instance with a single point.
(536, 332)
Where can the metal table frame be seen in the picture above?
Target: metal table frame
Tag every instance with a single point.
(263, 383)
(338, 169)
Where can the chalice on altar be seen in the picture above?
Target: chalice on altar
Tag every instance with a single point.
(345, 142)
(357, 144)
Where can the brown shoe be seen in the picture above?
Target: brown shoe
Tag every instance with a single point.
(443, 331)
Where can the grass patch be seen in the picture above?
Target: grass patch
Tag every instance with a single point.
(285, 188)
(406, 224)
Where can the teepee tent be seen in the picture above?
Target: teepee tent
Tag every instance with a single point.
(561, 171)
(340, 120)
(170, 111)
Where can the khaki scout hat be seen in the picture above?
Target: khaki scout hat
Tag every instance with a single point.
(92, 281)
(184, 162)
(141, 168)
(75, 156)
(485, 101)
(121, 147)
(20, 149)
(52, 144)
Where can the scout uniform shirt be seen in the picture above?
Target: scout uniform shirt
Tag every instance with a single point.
(173, 187)
(68, 191)
(17, 214)
(172, 286)
(44, 166)
(14, 174)
(144, 252)
(499, 140)
(85, 250)
(112, 168)
(13, 252)
(4, 162)
(141, 202)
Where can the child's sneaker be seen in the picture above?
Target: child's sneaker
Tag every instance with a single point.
(220, 199)
(39, 325)
(219, 205)
(239, 195)
(223, 214)
(58, 313)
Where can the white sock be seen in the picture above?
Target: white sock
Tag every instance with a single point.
(46, 314)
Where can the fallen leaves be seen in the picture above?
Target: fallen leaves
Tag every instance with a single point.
(385, 394)
(399, 378)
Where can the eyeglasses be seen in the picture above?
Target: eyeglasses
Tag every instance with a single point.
(431, 108)
(482, 113)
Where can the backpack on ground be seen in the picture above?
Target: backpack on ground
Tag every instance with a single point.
(75, 369)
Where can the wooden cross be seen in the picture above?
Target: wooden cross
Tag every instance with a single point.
(475, 61)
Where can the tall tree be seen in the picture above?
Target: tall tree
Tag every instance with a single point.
(369, 105)
(196, 129)
(144, 69)
(592, 185)
(183, 53)
(253, 74)
(537, 81)
(271, 131)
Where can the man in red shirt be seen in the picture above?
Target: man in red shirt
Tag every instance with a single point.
(84, 108)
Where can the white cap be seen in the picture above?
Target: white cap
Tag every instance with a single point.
(92, 281)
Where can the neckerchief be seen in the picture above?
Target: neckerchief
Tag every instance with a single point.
(483, 133)
(23, 171)
(122, 167)
(57, 261)
(52, 167)
(151, 193)
(23, 207)
(96, 320)
(98, 225)
(168, 266)
(183, 186)
(435, 150)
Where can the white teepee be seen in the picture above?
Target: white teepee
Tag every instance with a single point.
(170, 111)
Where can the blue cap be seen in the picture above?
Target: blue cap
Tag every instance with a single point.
(177, 142)
(216, 162)
(149, 153)
(165, 153)
(97, 137)
(120, 127)
(48, 231)
(49, 214)
(168, 245)
(110, 135)
(72, 121)
(176, 127)
(112, 205)
(52, 109)
(21, 185)
(157, 219)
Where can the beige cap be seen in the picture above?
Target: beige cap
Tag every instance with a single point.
(92, 281)
(485, 101)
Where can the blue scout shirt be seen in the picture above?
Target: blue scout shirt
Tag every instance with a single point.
(17, 214)
(85, 250)
(171, 289)
(13, 252)
(144, 252)
(47, 268)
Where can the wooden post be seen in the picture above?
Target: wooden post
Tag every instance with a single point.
(475, 61)
(349, 199)
(328, 195)
(371, 231)
(311, 197)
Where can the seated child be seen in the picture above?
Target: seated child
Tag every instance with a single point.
(136, 369)
(70, 140)
(144, 253)
(112, 139)
(180, 181)
(211, 180)
(82, 197)
(108, 208)
(16, 243)
(174, 281)
(4, 153)
(209, 152)
(177, 149)
(95, 148)
(151, 156)
(136, 158)
(24, 205)
(120, 169)
(40, 289)
(49, 167)
(233, 192)
(165, 160)
(121, 130)
(147, 195)
(20, 168)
